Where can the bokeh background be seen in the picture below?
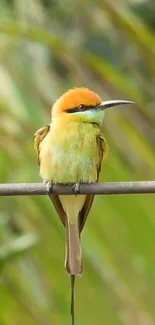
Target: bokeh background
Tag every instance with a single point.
(46, 47)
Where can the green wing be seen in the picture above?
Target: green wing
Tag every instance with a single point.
(102, 154)
(38, 137)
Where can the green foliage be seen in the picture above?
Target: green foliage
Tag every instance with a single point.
(47, 47)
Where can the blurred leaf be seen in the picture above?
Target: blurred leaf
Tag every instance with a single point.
(16, 248)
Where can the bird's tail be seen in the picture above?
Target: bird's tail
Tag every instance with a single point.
(73, 260)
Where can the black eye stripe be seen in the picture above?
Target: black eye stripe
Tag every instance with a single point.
(80, 108)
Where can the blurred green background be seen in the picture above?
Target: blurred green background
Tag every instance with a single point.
(46, 47)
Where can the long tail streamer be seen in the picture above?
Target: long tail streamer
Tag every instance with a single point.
(72, 298)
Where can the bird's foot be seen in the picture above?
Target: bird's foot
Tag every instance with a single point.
(49, 187)
(76, 188)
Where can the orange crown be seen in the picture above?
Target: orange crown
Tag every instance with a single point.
(73, 98)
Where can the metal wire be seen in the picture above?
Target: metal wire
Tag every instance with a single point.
(93, 188)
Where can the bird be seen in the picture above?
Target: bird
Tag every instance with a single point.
(71, 150)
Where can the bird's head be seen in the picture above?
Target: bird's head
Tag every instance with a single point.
(82, 104)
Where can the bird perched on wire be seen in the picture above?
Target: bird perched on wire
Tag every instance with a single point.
(71, 149)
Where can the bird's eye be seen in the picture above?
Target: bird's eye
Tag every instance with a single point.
(81, 107)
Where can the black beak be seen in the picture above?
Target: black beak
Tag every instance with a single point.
(111, 103)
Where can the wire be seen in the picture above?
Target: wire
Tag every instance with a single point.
(93, 188)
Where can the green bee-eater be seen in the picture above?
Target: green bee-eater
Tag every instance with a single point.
(71, 150)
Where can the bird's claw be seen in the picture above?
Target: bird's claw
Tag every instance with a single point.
(49, 187)
(76, 188)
